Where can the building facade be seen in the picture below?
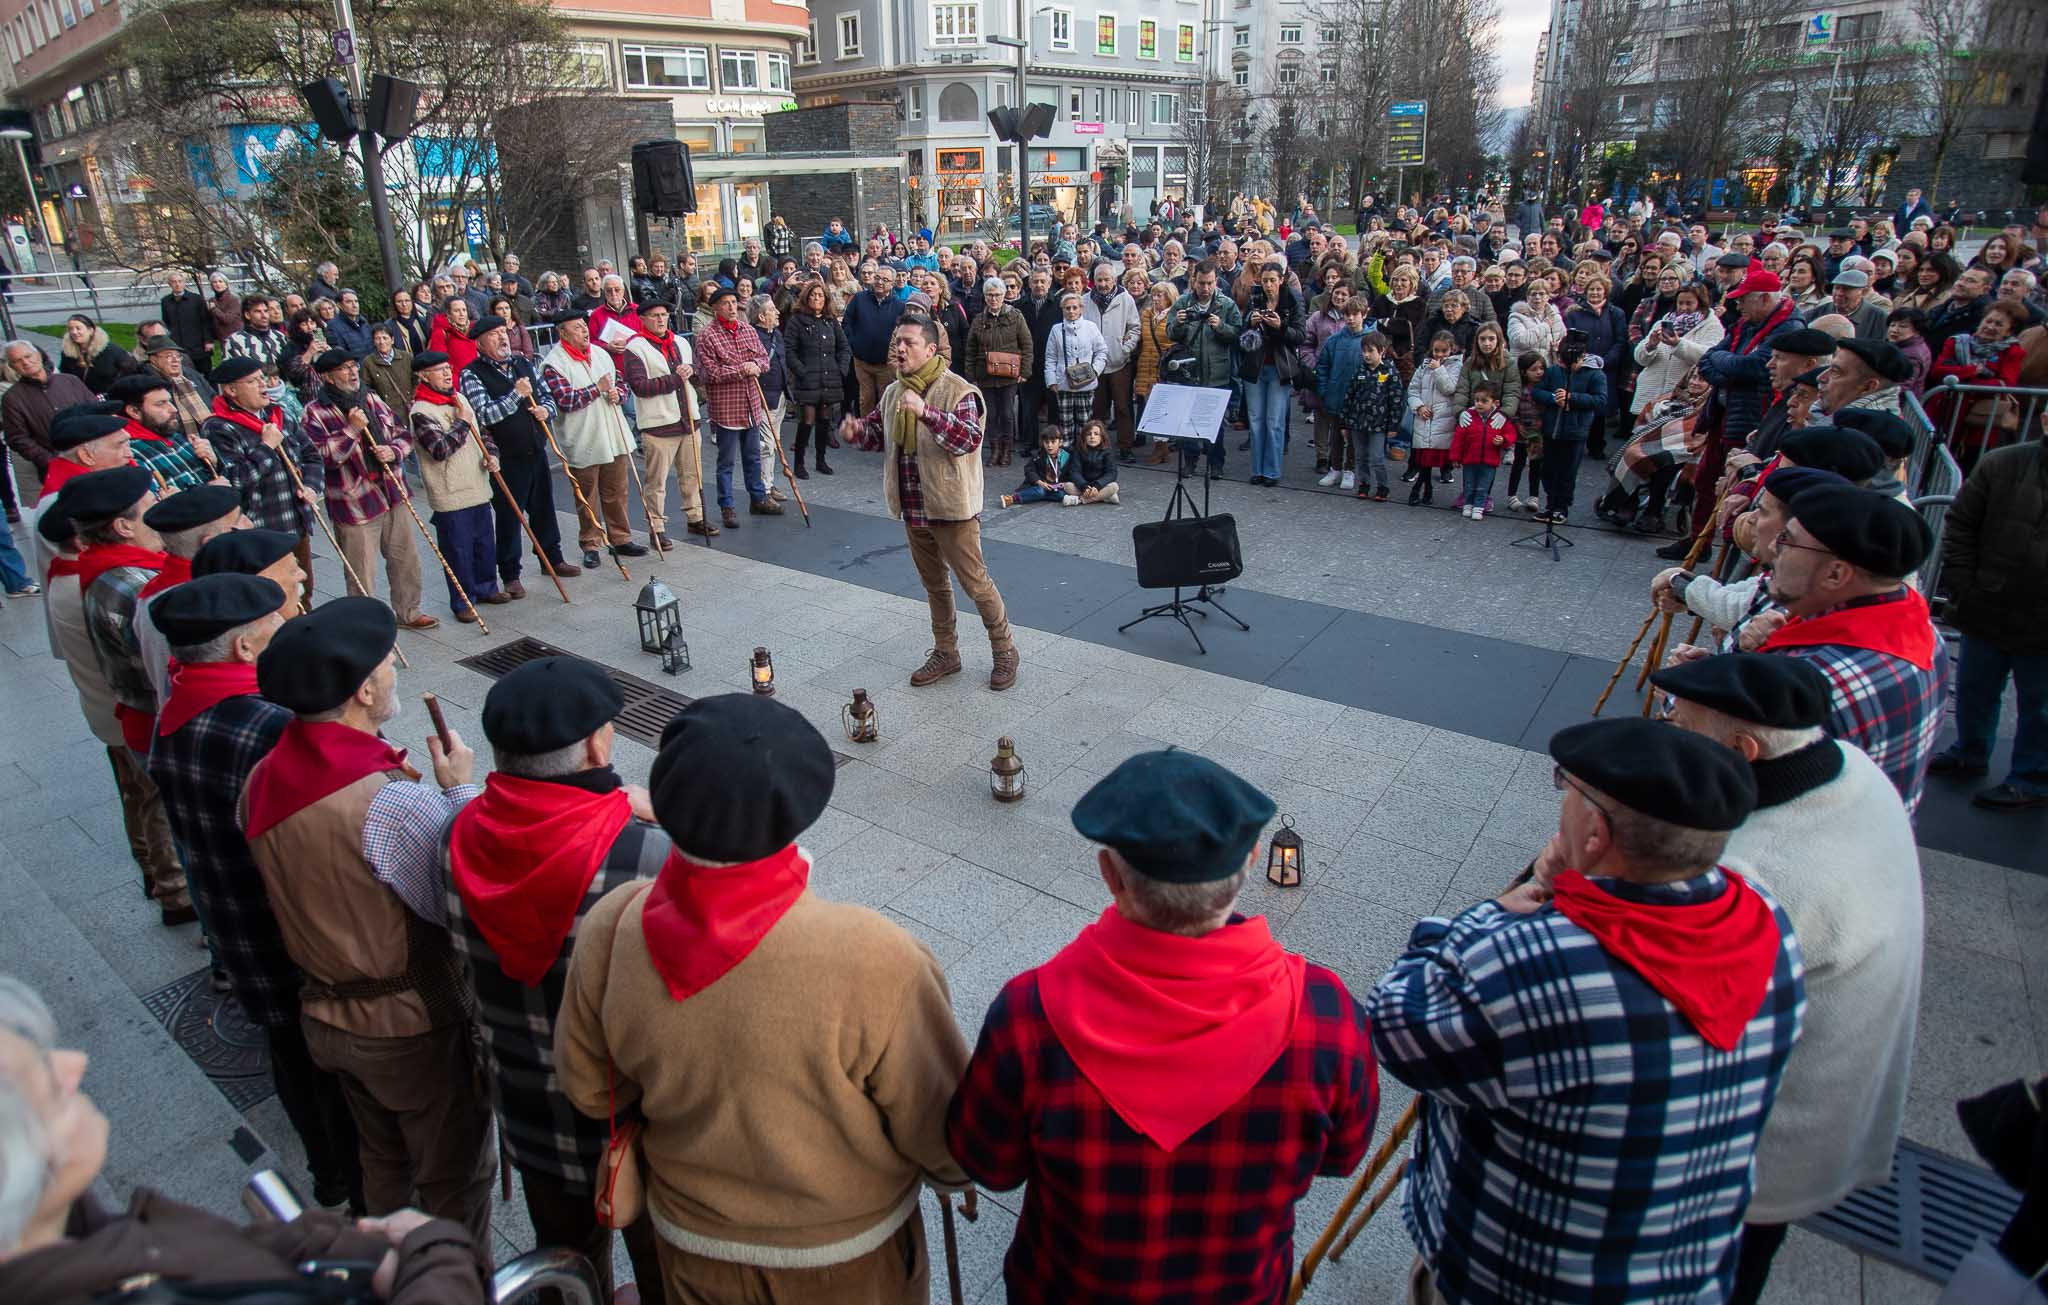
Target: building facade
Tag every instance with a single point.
(66, 71)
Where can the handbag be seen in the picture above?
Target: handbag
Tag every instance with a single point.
(621, 1196)
(1079, 375)
(1003, 364)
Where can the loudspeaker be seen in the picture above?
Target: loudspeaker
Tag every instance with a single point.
(1187, 552)
(332, 110)
(1037, 120)
(663, 185)
(394, 103)
(1004, 120)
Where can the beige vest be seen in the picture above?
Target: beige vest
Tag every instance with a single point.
(460, 482)
(595, 433)
(372, 967)
(659, 410)
(951, 481)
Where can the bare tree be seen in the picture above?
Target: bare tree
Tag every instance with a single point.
(1600, 57)
(1861, 106)
(1359, 113)
(1206, 130)
(1967, 50)
(1710, 80)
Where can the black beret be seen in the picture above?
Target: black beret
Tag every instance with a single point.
(207, 607)
(1659, 770)
(1175, 816)
(1787, 693)
(484, 325)
(1803, 341)
(99, 496)
(1786, 482)
(190, 508)
(1883, 357)
(243, 551)
(235, 369)
(723, 293)
(332, 359)
(569, 315)
(650, 305)
(426, 358)
(1864, 528)
(55, 525)
(1890, 431)
(1849, 453)
(317, 661)
(550, 703)
(68, 433)
(135, 387)
(1811, 377)
(739, 777)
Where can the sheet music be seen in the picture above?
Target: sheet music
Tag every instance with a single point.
(615, 333)
(1189, 412)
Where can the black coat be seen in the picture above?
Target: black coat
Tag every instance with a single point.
(817, 359)
(1041, 318)
(108, 366)
(1277, 347)
(186, 318)
(1994, 550)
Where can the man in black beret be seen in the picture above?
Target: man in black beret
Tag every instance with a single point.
(363, 446)
(505, 391)
(1633, 946)
(155, 441)
(1163, 1036)
(835, 1044)
(1831, 838)
(183, 524)
(1864, 374)
(595, 437)
(272, 554)
(346, 839)
(1893, 437)
(267, 463)
(553, 832)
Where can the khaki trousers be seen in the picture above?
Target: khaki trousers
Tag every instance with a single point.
(685, 454)
(149, 831)
(943, 550)
(873, 378)
(771, 438)
(898, 1272)
(604, 488)
(423, 1121)
(391, 535)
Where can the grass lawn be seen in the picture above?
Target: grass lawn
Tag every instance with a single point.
(121, 333)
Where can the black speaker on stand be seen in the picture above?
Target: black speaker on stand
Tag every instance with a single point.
(333, 109)
(663, 185)
(394, 103)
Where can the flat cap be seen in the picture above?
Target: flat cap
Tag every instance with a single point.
(1659, 770)
(1787, 693)
(317, 661)
(242, 551)
(1882, 355)
(1848, 453)
(1804, 342)
(1854, 278)
(549, 703)
(1864, 528)
(67, 433)
(739, 777)
(1175, 816)
(234, 369)
(162, 342)
(135, 387)
(1732, 259)
(191, 508)
(99, 496)
(426, 358)
(485, 325)
(1890, 431)
(332, 359)
(207, 607)
(1841, 233)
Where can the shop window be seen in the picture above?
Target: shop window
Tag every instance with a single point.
(652, 68)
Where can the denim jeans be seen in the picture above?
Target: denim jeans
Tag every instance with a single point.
(1266, 402)
(731, 442)
(1980, 687)
(13, 571)
(1479, 483)
(1037, 494)
(1369, 451)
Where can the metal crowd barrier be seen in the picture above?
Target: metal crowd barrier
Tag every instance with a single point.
(1933, 509)
(1970, 419)
(75, 290)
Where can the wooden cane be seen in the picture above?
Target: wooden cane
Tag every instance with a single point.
(581, 501)
(440, 722)
(1306, 1272)
(1626, 658)
(499, 478)
(371, 446)
(328, 530)
(1692, 555)
(1650, 662)
(646, 506)
(775, 438)
(952, 1238)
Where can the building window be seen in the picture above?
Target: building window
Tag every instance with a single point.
(70, 15)
(1287, 75)
(653, 68)
(913, 103)
(1073, 104)
(1328, 34)
(1327, 74)
(1290, 33)
(849, 36)
(1624, 58)
(738, 71)
(1148, 39)
(1241, 37)
(1240, 77)
(1105, 35)
(1061, 28)
(1165, 109)
(1184, 43)
(956, 24)
(1095, 105)
(957, 103)
(777, 69)
(807, 44)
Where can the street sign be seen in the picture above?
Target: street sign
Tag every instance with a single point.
(473, 225)
(1407, 133)
(344, 46)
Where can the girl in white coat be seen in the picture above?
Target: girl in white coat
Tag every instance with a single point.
(1430, 392)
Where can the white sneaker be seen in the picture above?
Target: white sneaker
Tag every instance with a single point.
(1465, 512)
(1070, 500)
(1350, 481)
(1479, 514)
(1328, 478)
(1514, 502)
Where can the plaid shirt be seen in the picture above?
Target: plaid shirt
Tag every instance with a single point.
(357, 493)
(567, 397)
(110, 620)
(729, 395)
(201, 769)
(539, 1126)
(959, 431)
(172, 458)
(1111, 1216)
(490, 411)
(1883, 704)
(1579, 1140)
(402, 834)
(270, 499)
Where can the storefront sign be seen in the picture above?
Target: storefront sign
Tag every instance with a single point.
(1052, 179)
(745, 107)
(1087, 129)
(958, 161)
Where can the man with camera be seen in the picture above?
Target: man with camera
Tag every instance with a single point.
(1204, 333)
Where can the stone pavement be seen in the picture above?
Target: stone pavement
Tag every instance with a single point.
(1401, 818)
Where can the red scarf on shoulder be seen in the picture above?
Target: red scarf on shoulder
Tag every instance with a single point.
(175, 571)
(312, 760)
(1712, 960)
(98, 559)
(228, 412)
(1137, 1009)
(137, 431)
(702, 920)
(200, 686)
(425, 393)
(1900, 626)
(61, 470)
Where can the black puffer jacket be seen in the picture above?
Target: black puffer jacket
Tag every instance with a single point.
(1278, 342)
(818, 358)
(1994, 550)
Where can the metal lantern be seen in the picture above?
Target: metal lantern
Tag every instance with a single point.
(675, 654)
(1283, 859)
(661, 616)
(863, 724)
(1006, 772)
(763, 673)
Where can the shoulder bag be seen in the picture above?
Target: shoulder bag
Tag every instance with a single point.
(1079, 375)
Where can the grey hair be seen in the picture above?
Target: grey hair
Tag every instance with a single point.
(187, 543)
(756, 306)
(220, 648)
(809, 245)
(12, 345)
(1180, 908)
(1657, 848)
(995, 283)
(327, 267)
(553, 764)
(614, 280)
(1465, 260)
(25, 1146)
(2020, 274)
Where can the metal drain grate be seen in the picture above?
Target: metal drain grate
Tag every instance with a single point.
(1927, 1217)
(649, 707)
(210, 1027)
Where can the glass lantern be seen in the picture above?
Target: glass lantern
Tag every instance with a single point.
(661, 616)
(862, 723)
(1283, 859)
(762, 673)
(675, 654)
(1006, 772)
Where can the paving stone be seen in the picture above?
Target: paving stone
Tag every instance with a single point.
(873, 868)
(1396, 877)
(1425, 821)
(963, 899)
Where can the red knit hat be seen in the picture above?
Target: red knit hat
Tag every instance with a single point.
(1759, 278)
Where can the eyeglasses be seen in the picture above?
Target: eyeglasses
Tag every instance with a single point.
(1561, 781)
(1784, 540)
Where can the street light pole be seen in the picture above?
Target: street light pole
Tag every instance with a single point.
(1023, 160)
(373, 157)
(20, 139)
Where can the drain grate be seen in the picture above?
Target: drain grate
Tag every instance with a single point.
(210, 1027)
(649, 707)
(1927, 1217)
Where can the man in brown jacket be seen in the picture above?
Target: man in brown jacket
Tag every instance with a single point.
(33, 402)
(998, 329)
(792, 1057)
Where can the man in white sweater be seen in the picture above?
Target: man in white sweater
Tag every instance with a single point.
(1830, 838)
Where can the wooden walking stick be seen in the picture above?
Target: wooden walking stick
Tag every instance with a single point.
(775, 438)
(332, 542)
(371, 447)
(1306, 1272)
(574, 485)
(646, 505)
(1626, 658)
(703, 491)
(968, 1211)
(1656, 654)
(524, 524)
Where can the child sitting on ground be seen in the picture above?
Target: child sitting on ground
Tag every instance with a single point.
(1094, 465)
(1484, 433)
(1048, 474)
(1371, 413)
(1529, 435)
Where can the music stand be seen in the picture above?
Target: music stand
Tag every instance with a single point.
(1545, 538)
(1178, 419)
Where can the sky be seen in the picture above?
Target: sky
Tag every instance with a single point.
(1521, 22)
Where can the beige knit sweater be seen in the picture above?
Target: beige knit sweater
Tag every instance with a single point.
(794, 1106)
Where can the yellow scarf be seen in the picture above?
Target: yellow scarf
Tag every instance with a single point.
(918, 382)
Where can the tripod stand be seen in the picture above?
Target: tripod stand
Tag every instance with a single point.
(1181, 505)
(1545, 538)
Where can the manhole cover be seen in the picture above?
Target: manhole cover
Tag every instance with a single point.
(213, 1031)
(1927, 1217)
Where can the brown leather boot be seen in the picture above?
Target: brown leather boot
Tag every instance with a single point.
(1004, 673)
(937, 666)
(1161, 451)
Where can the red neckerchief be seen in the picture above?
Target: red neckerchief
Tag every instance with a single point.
(523, 855)
(98, 559)
(1779, 314)
(665, 345)
(137, 431)
(228, 412)
(1712, 960)
(702, 920)
(1898, 624)
(1137, 1008)
(61, 566)
(198, 686)
(425, 393)
(580, 355)
(312, 760)
(175, 571)
(730, 328)
(60, 470)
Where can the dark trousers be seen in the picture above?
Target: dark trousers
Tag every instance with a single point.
(313, 1101)
(1030, 409)
(1760, 1243)
(534, 492)
(565, 1215)
(1561, 459)
(469, 542)
(1115, 392)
